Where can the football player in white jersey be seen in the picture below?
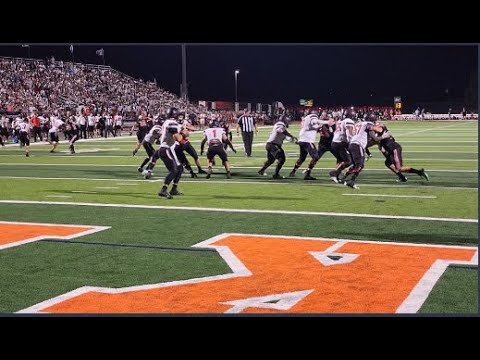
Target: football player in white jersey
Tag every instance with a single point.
(274, 147)
(215, 137)
(357, 146)
(23, 130)
(153, 135)
(56, 124)
(306, 140)
(344, 132)
(170, 140)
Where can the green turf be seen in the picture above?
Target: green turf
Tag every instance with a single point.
(38, 271)
(456, 292)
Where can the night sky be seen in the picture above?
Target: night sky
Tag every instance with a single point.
(329, 74)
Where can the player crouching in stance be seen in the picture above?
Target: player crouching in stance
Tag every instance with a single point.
(170, 140)
(215, 136)
(393, 154)
(274, 147)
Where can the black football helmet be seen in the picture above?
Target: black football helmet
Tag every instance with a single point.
(285, 119)
(371, 117)
(214, 124)
(350, 113)
(173, 113)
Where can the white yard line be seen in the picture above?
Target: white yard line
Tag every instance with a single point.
(232, 167)
(248, 211)
(431, 129)
(395, 196)
(80, 141)
(236, 182)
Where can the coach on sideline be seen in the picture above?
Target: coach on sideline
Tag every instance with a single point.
(247, 123)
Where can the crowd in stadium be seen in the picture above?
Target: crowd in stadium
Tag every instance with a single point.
(42, 99)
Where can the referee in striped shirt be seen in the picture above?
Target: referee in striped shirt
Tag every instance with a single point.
(247, 124)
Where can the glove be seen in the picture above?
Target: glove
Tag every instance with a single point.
(201, 153)
(235, 151)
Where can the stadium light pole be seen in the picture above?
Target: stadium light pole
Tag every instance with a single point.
(236, 85)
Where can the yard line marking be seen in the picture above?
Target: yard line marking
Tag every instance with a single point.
(81, 141)
(397, 196)
(248, 211)
(58, 196)
(84, 192)
(430, 129)
(239, 167)
(69, 164)
(366, 169)
(264, 182)
(439, 141)
(127, 184)
(438, 151)
(456, 160)
(107, 187)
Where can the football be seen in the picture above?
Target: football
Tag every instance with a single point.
(147, 174)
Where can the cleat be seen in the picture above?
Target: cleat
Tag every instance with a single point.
(201, 171)
(278, 176)
(134, 152)
(209, 174)
(262, 173)
(334, 177)
(309, 177)
(175, 192)
(27, 155)
(52, 151)
(228, 176)
(292, 174)
(424, 175)
(193, 175)
(140, 169)
(368, 157)
(351, 184)
(404, 179)
(165, 193)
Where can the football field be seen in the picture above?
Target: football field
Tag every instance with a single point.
(85, 233)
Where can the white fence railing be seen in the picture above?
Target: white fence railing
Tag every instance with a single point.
(436, 117)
